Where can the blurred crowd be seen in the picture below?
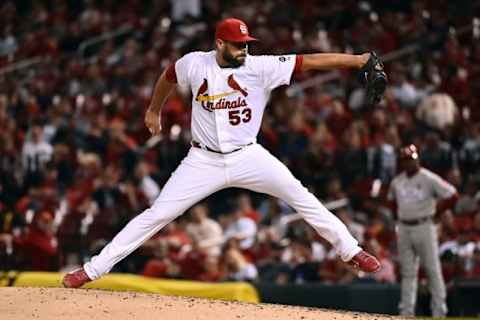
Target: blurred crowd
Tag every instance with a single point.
(76, 162)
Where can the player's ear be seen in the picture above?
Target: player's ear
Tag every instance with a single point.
(219, 44)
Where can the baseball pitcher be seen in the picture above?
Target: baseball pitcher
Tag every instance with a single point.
(230, 91)
(414, 194)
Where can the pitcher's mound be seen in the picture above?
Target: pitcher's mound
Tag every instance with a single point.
(59, 303)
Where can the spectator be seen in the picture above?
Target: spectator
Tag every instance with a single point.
(12, 227)
(467, 203)
(387, 273)
(245, 205)
(183, 8)
(352, 157)
(273, 210)
(304, 257)
(438, 110)
(403, 90)
(36, 153)
(356, 229)
(8, 43)
(237, 268)
(470, 151)
(41, 244)
(334, 190)
(437, 155)
(192, 263)
(476, 227)
(241, 228)
(333, 271)
(475, 271)
(267, 252)
(147, 185)
(166, 249)
(204, 231)
(212, 272)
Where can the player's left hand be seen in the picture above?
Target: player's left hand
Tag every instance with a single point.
(153, 122)
(375, 78)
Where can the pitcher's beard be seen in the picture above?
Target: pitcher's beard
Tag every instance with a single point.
(231, 60)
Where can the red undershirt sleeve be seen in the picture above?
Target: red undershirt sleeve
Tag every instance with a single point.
(170, 74)
(298, 64)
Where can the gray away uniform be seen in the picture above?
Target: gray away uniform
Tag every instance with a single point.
(417, 236)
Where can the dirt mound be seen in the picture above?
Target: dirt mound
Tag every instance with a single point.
(87, 304)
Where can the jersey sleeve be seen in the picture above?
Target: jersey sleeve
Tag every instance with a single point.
(441, 188)
(183, 68)
(277, 70)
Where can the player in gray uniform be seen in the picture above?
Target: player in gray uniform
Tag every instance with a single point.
(414, 193)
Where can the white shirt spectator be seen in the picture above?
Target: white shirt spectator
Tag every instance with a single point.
(406, 94)
(248, 272)
(8, 45)
(208, 234)
(464, 250)
(438, 110)
(356, 99)
(244, 228)
(319, 253)
(181, 8)
(36, 155)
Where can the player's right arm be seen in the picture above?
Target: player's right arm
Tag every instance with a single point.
(177, 73)
(162, 90)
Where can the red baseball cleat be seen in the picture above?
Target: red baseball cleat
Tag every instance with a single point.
(365, 262)
(75, 279)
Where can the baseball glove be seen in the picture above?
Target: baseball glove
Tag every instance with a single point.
(374, 78)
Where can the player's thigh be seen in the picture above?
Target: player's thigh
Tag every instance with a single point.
(406, 252)
(193, 180)
(262, 172)
(427, 242)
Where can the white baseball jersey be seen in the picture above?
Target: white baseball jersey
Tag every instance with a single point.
(416, 196)
(228, 103)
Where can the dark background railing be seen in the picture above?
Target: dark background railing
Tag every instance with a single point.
(463, 297)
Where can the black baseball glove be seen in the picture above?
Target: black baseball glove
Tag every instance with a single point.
(374, 78)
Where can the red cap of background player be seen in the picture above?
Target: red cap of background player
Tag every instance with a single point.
(233, 30)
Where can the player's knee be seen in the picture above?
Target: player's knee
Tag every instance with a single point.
(292, 189)
(433, 272)
(408, 273)
(158, 214)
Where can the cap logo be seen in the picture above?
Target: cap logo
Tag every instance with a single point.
(243, 29)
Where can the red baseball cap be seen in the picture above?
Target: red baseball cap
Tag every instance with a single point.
(233, 30)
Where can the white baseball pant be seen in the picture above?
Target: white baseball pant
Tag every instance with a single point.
(202, 173)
